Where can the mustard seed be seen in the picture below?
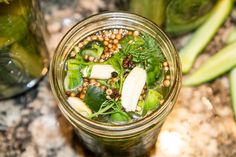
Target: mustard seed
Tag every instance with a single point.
(108, 91)
(165, 64)
(89, 38)
(106, 39)
(80, 45)
(80, 89)
(130, 33)
(166, 68)
(98, 84)
(100, 38)
(72, 94)
(166, 83)
(85, 84)
(136, 33)
(85, 42)
(91, 58)
(92, 81)
(105, 43)
(109, 45)
(86, 57)
(103, 87)
(81, 96)
(113, 36)
(118, 36)
(94, 37)
(115, 41)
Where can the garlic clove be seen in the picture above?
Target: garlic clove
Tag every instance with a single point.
(101, 71)
(132, 88)
(79, 106)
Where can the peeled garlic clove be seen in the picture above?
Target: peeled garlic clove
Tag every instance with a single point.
(79, 106)
(101, 71)
(132, 88)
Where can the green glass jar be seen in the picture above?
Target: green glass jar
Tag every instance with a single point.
(23, 54)
(175, 16)
(132, 139)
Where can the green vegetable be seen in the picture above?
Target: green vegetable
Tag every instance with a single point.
(106, 108)
(119, 117)
(76, 69)
(116, 63)
(185, 15)
(93, 48)
(152, 101)
(131, 45)
(153, 71)
(141, 48)
(204, 34)
(232, 36)
(94, 98)
(73, 78)
(232, 78)
(232, 75)
(218, 64)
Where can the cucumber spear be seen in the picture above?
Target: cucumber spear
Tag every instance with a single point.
(232, 78)
(205, 33)
(218, 64)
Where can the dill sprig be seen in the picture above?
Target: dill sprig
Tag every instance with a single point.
(105, 108)
(141, 48)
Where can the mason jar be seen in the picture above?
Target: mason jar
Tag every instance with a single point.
(23, 54)
(132, 139)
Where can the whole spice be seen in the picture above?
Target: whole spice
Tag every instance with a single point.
(115, 94)
(128, 63)
(114, 74)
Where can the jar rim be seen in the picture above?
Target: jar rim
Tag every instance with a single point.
(103, 128)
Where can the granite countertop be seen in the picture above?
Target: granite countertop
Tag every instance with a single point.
(31, 125)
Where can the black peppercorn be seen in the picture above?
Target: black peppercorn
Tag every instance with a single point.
(114, 74)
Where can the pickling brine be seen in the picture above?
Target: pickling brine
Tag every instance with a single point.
(116, 76)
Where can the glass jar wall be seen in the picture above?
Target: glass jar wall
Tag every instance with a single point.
(23, 54)
(132, 139)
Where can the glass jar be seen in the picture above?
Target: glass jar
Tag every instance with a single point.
(133, 139)
(175, 16)
(23, 54)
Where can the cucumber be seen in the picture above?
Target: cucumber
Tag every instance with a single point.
(204, 34)
(93, 48)
(221, 62)
(90, 52)
(232, 78)
(232, 36)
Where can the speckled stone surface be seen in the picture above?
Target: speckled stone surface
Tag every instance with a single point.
(200, 125)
